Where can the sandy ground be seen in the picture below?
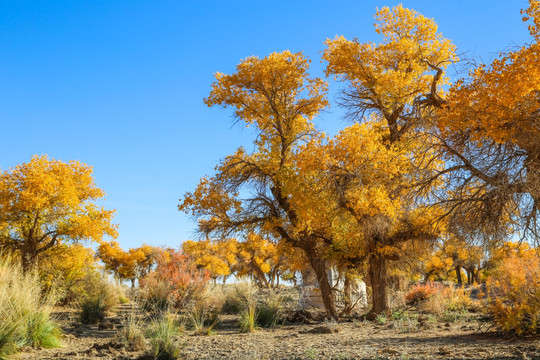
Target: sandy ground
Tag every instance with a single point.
(349, 339)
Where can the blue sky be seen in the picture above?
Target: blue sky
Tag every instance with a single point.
(119, 84)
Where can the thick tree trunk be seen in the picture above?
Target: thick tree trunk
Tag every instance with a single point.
(320, 269)
(458, 275)
(477, 276)
(348, 294)
(379, 286)
(28, 260)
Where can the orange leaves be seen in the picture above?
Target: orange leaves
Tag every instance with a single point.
(533, 13)
(499, 102)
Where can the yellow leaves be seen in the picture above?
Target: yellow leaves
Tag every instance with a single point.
(513, 288)
(209, 196)
(275, 94)
(215, 256)
(389, 76)
(533, 13)
(500, 101)
(46, 200)
(373, 169)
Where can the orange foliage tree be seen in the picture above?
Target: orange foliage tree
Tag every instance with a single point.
(45, 202)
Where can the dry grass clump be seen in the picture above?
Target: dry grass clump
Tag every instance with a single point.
(163, 334)
(102, 299)
(202, 317)
(155, 296)
(248, 319)
(268, 313)
(24, 313)
(131, 335)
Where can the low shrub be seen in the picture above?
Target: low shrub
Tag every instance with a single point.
(92, 310)
(103, 298)
(514, 293)
(433, 305)
(421, 292)
(156, 295)
(69, 270)
(179, 276)
(267, 314)
(458, 300)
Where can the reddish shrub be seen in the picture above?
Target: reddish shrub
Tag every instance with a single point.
(179, 274)
(421, 292)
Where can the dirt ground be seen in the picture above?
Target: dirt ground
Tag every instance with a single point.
(416, 338)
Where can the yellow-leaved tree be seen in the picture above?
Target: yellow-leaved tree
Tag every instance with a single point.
(45, 202)
(132, 265)
(393, 88)
(489, 126)
(276, 96)
(217, 257)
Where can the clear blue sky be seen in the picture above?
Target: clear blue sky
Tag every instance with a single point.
(119, 84)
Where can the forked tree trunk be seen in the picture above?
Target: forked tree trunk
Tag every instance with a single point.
(320, 269)
(261, 276)
(379, 286)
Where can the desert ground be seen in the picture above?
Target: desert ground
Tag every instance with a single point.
(408, 334)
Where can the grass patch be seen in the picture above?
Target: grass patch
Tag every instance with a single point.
(202, 319)
(163, 335)
(247, 321)
(24, 311)
(267, 314)
(92, 310)
(131, 336)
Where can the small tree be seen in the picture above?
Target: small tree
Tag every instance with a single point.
(46, 201)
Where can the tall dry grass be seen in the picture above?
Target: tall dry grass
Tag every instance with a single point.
(24, 312)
